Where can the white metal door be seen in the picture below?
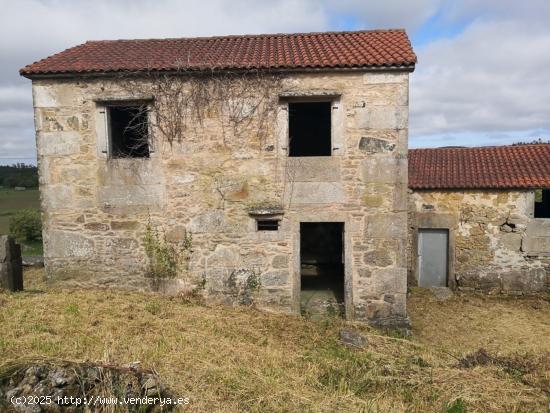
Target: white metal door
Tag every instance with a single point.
(432, 257)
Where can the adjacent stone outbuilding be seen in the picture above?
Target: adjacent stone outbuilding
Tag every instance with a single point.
(479, 218)
(256, 148)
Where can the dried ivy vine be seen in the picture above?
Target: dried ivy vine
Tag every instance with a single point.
(184, 102)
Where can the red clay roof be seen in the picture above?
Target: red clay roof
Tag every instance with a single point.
(521, 166)
(376, 48)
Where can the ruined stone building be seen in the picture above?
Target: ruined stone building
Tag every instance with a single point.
(264, 155)
(260, 169)
(479, 218)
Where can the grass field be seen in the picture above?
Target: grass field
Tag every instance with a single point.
(244, 360)
(12, 201)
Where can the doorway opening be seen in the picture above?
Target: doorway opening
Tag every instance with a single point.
(433, 257)
(322, 268)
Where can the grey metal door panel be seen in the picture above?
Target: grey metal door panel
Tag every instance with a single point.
(432, 257)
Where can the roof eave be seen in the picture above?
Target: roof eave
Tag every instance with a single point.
(473, 188)
(117, 73)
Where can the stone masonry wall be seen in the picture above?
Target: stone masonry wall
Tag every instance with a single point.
(496, 244)
(96, 209)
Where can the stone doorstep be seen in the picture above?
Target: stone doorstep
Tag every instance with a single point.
(442, 293)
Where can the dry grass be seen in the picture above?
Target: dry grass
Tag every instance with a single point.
(230, 360)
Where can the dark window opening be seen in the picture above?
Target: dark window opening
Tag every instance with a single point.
(309, 128)
(128, 132)
(267, 224)
(542, 203)
(322, 267)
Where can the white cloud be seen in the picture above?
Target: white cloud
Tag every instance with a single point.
(489, 79)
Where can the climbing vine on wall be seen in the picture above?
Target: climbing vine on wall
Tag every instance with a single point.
(166, 260)
(182, 101)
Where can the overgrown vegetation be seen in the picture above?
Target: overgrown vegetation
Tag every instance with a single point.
(166, 259)
(243, 285)
(11, 202)
(26, 225)
(243, 360)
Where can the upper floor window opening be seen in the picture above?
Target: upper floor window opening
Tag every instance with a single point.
(309, 129)
(128, 130)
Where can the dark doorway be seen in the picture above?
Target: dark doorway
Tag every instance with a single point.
(542, 203)
(322, 267)
(309, 129)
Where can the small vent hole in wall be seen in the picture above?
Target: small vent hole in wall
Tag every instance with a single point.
(267, 224)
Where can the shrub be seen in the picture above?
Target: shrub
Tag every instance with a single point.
(26, 225)
(165, 259)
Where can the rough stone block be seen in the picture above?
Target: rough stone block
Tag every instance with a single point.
(384, 169)
(280, 261)
(50, 96)
(224, 257)
(511, 241)
(277, 278)
(127, 226)
(379, 78)
(96, 226)
(64, 244)
(374, 145)
(58, 197)
(536, 245)
(131, 171)
(383, 117)
(374, 192)
(132, 195)
(386, 280)
(538, 228)
(209, 221)
(313, 169)
(6, 247)
(315, 192)
(380, 313)
(216, 279)
(389, 94)
(400, 198)
(122, 245)
(390, 225)
(526, 281)
(58, 143)
(378, 258)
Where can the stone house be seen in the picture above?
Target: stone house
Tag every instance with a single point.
(479, 218)
(276, 165)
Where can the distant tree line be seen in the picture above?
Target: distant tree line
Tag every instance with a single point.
(18, 174)
(534, 141)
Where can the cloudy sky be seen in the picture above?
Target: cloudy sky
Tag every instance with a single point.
(483, 76)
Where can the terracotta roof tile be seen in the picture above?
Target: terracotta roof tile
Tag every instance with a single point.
(376, 48)
(521, 166)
